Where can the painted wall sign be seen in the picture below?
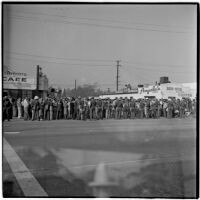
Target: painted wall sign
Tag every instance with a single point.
(13, 80)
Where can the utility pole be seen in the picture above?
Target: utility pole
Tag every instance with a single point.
(117, 77)
(75, 85)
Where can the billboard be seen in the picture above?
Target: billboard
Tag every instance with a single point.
(14, 80)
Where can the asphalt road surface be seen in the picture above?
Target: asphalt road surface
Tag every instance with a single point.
(144, 157)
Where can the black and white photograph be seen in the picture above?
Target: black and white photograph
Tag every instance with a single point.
(99, 100)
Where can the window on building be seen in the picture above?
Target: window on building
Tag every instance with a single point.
(170, 88)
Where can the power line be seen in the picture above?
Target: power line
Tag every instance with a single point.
(97, 65)
(153, 64)
(76, 59)
(23, 18)
(96, 19)
(102, 60)
(147, 70)
(64, 63)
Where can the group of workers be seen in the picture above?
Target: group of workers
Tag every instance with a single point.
(95, 108)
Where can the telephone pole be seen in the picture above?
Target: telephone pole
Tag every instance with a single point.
(117, 77)
(75, 85)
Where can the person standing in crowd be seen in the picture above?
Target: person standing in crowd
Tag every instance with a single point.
(81, 109)
(182, 108)
(69, 108)
(97, 109)
(158, 108)
(194, 107)
(92, 108)
(132, 108)
(59, 110)
(153, 108)
(165, 105)
(30, 107)
(11, 109)
(161, 107)
(169, 109)
(190, 105)
(147, 108)
(19, 108)
(176, 108)
(46, 109)
(137, 106)
(110, 107)
(141, 109)
(107, 104)
(51, 109)
(6, 108)
(116, 106)
(86, 106)
(54, 108)
(22, 108)
(72, 107)
(103, 108)
(35, 109)
(125, 108)
(41, 109)
(65, 108)
(26, 109)
(14, 105)
(100, 109)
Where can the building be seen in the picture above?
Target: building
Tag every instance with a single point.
(160, 91)
(17, 84)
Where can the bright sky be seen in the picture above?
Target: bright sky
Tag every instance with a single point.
(83, 42)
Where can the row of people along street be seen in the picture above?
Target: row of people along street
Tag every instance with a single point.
(95, 108)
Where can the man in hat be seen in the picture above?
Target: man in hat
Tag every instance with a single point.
(35, 108)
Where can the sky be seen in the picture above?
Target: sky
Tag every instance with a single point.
(83, 42)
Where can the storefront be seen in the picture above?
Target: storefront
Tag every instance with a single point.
(21, 85)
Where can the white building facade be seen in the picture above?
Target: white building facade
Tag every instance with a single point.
(162, 91)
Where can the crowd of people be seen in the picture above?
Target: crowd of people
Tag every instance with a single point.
(95, 108)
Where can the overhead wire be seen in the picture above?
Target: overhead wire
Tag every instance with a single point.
(64, 63)
(130, 64)
(97, 19)
(149, 68)
(153, 64)
(58, 58)
(93, 24)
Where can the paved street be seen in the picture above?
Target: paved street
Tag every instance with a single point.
(61, 156)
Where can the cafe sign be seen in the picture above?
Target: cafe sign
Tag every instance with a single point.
(14, 80)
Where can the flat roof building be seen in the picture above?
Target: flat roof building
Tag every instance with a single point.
(17, 84)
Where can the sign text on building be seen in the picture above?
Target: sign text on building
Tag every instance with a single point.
(13, 80)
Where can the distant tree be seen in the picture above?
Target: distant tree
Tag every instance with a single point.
(84, 91)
